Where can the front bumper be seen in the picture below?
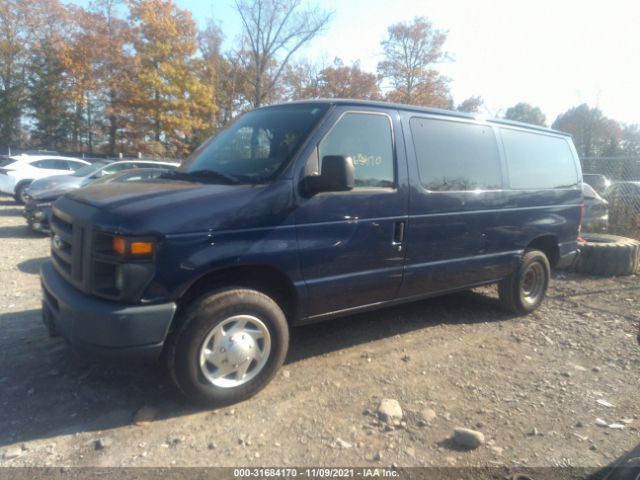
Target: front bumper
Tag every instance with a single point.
(37, 217)
(102, 327)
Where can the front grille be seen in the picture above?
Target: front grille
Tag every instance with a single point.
(84, 256)
(67, 245)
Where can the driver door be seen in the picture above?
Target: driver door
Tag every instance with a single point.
(351, 244)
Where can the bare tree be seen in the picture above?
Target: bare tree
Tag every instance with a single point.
(410, 50)
(274, 31)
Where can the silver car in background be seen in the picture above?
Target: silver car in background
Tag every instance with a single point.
(37, 210)
(596, 210)
(89, 174)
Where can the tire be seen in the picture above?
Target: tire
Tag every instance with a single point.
(20, 192)
(607, 255)
(198, 354)
(523, 291)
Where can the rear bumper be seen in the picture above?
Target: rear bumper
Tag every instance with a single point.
(7, 184)
(107, 329)
(568, 255)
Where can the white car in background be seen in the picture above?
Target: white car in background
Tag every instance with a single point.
(17, 172)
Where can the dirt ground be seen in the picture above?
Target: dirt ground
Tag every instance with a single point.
(534, 386)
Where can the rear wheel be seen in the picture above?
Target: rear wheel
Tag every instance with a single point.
(229, 346)
(523, 291)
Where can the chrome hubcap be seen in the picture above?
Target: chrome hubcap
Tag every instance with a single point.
(235, 351)
(532, 283)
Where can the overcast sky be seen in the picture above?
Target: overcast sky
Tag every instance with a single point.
(553, 54)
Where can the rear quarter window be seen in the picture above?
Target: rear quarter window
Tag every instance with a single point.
(456, 156)
(538, 161)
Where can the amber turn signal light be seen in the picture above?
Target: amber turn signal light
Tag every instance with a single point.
(119, 245)
(133, 248)
(141, 248)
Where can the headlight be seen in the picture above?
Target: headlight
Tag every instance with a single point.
(131, 278)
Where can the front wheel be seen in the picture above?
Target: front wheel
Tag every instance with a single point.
(523, 291)
(21, 193)
(229, 346)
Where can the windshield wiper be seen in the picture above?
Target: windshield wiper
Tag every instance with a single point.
(201, 174)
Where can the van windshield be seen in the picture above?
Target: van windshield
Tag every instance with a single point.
(256, 148)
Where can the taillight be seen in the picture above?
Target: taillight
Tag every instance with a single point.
(581, 218)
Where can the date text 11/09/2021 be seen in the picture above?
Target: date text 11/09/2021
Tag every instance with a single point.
(315, 472)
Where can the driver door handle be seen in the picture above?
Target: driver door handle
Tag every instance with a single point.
(398, 235)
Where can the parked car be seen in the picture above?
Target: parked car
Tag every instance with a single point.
(624, 194)
(302, 212)
(596, 210)
(598, 182)
(17, 173)
(37, 210)
(90, 173)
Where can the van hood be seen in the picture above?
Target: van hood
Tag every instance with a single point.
(176, 207)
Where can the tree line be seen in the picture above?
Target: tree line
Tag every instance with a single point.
(140, 76)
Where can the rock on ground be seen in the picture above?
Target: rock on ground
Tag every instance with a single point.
(468, 438)
(390, 410)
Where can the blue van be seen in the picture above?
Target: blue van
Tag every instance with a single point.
(302, 212)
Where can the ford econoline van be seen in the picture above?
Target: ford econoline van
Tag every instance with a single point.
(302, 212)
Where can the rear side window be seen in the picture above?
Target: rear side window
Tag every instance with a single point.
(74, 165)
(60, 164)
(117, 167)
(456, 156)
(368, 140)
(48, 164)
(538, 161)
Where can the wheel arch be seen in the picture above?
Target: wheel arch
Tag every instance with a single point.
(21, 183)
(547, 244)
(266, 279)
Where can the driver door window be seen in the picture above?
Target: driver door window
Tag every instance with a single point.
(368, 140)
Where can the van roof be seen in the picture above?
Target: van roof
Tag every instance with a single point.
(416, 108)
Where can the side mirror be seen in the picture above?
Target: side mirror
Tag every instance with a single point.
(336, 175)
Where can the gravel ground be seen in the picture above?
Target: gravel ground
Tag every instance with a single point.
(557, 388)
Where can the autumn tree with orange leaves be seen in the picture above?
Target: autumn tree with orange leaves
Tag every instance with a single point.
(170, 101)
(140, 77)
(337, 81)
(50, 106)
